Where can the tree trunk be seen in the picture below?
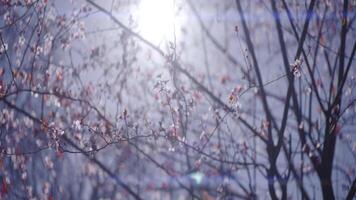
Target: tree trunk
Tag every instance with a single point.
(327, 188)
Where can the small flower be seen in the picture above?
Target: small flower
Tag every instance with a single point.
(7, 17)
(301, 126)
(24, 176)
(197, 163)
(265, 124)
(307, 90)
(3, 48)
(59, 75)
(46, 188)
(2, 88)
(354, 146)
(318, 145)
(224, 79)
(48, 162)
(296, 73)
(22, 40)
(29, 191)
(39, 50)
(296, 67)
(232, 99)
(234, 95)
(77, 125)
(306, 148)
(47, 44)
(28, 2)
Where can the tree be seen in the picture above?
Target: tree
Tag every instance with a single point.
(177, 99)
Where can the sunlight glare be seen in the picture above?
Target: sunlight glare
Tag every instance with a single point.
(156, 20)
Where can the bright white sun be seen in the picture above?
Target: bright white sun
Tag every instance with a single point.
(156, 20)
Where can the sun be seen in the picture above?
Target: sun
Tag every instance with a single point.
(157, 21)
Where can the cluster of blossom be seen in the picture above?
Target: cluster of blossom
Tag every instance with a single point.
(54, 133)
(79, 30)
